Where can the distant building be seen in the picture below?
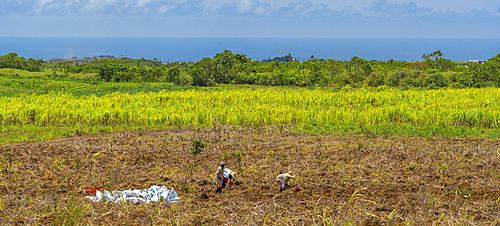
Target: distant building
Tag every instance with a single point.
(470, 62)
(477, 61)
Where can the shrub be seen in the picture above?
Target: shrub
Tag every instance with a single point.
(375, 79)
(465, 79)
(185, 79)
(431, 80)
(397, 78)
(197, 147)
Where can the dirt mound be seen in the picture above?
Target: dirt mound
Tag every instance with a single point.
(370, 181)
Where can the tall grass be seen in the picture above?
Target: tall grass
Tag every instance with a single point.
(376, 110)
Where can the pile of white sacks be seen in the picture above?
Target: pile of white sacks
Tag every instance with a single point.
(152, 194)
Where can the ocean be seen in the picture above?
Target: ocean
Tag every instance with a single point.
(194, 49)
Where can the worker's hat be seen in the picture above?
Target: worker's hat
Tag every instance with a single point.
(222, 164)
(233, 174)
(290, 174)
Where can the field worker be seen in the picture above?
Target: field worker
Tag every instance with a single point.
(219, 177)
(283, 180)
(229, 175)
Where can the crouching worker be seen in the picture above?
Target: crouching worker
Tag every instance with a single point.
(219, 177)
(229, 177)
(283, 180)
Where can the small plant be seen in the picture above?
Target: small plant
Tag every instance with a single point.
(94, 157)
(238, 154)
(197, 147)
(494, 204)
(226, 155)
(72, 214)
(233, 154)
(464, 193)
(356, 196)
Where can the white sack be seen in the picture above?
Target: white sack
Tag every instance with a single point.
(152, 194)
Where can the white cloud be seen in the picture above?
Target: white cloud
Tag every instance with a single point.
(42, 2)
(244, 6)
(371, 8)
(261, 10)
(381, 8)
(164, 8)
(142, 2)
(302, 16)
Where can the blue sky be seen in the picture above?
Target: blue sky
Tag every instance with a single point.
(251, 18)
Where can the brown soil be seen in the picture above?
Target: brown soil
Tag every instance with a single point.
(344, 179)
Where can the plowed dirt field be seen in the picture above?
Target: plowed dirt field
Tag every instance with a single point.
(344, 179)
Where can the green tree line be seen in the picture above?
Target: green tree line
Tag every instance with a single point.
(12, 60)
(433, 71)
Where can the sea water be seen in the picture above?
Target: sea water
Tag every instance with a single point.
(194, 49)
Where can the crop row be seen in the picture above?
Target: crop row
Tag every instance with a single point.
(245, 107)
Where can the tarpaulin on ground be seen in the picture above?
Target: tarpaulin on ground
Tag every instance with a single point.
(152, 194)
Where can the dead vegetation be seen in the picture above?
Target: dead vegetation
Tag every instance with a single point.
(344, 179)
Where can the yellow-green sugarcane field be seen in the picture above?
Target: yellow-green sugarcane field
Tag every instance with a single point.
(445, 112)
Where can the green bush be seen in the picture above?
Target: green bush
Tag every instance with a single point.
(432, 81)
(396, 78)
(375, 79)
(185, 79)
